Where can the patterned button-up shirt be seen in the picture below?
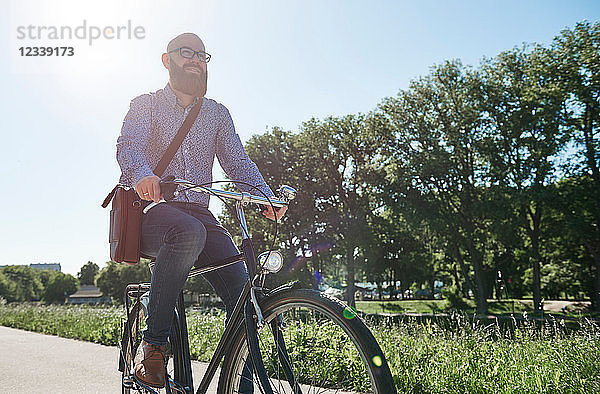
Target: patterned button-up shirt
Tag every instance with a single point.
(152, 122)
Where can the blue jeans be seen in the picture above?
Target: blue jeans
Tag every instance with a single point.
(177, 233)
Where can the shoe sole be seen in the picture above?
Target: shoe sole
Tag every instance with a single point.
(144, 383)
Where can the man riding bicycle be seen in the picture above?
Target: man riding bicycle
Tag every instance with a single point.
(182, 231)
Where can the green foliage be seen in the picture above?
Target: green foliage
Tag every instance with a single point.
(21, 283)
(198, 285)
(87, 273)
(455, 357)
(454, 300)
(88, 323)
(427, 358)
(7, 288)
(59, 287)
(114, 278)
(463, 174)
(205, 329)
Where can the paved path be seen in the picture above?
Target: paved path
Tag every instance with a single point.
(37, 363)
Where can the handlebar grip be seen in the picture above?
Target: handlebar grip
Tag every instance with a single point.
(167, 187)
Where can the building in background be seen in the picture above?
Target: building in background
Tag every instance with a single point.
(88, 294)
(51, 267)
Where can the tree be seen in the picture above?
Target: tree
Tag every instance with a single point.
(571, 233)
(340, 156)
(433, 166)
(400, 252)
(327, 162)
(7, 288)
(579, 70)
(456, 178)
(276, 155)
(114, 278)
(59, 287)
(87, 273)
(523, 106)
(198, 284)
(26, 284)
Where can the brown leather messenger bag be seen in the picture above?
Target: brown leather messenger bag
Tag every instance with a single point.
(126, 214)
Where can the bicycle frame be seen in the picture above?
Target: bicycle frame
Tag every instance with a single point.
(237, 317)
(246, 303)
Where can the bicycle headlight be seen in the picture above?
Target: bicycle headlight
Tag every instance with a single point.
(270, 261)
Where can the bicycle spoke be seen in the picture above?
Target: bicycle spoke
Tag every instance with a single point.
(308, 329)
(311, 347)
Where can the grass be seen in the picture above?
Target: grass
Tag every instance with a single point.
(481, 359)
(401, 306)
(502, 307)
(88, 323)
(457, 357)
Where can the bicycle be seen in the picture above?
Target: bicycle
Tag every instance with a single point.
(284, 335)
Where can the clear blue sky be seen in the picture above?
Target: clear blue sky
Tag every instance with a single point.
(275, 63)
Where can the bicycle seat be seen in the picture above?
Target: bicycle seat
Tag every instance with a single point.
(145, 256)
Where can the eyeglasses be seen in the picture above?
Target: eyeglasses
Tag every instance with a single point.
(189, 53)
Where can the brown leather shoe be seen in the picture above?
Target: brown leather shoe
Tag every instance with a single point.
(151, 369)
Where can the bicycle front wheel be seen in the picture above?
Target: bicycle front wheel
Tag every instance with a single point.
(311, 343)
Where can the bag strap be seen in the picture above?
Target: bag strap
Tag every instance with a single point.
(109, 197)
(177, 140)
(171, 149)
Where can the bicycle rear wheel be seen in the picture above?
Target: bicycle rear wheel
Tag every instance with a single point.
(311, 344)
(130, 342)
(178, 367)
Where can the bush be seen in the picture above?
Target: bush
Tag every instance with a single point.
(462, 356)
(59, 287)
(453, 300)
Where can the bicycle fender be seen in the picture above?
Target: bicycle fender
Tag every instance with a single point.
(286, 286)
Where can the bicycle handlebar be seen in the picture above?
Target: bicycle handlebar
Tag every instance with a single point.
(287, 193)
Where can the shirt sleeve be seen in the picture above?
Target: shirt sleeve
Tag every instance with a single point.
(131, 144)
(233, 157)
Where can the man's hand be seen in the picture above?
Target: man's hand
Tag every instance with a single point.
(148, 188)
(268, 212)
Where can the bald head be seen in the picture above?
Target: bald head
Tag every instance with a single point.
(189, 40)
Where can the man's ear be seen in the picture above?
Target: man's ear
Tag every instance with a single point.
(165, 60)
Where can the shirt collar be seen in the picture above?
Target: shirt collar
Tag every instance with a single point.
(172, 98)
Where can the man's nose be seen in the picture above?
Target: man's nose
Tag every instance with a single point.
(195, 61)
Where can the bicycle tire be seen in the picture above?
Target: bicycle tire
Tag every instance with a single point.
(130, 342)
(320, 330)
(176, 353)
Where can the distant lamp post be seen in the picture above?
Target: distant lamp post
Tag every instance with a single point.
(499, 285)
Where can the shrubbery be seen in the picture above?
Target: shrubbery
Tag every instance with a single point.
(457, 357)
(20, 283)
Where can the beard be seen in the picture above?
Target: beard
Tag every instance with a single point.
(188, 82)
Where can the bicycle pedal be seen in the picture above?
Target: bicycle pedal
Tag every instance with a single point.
(141, 387)
(128, 382)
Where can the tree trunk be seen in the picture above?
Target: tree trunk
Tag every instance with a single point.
(350, 289)
(597, 287)
(464, 270)
(595, 251)
(480, 299)
(590, 149)
(534, 233)
(537, 294)
(393, 294)
(457, 285)
(591, 154)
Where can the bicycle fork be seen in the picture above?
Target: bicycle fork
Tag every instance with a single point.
(254, 319)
